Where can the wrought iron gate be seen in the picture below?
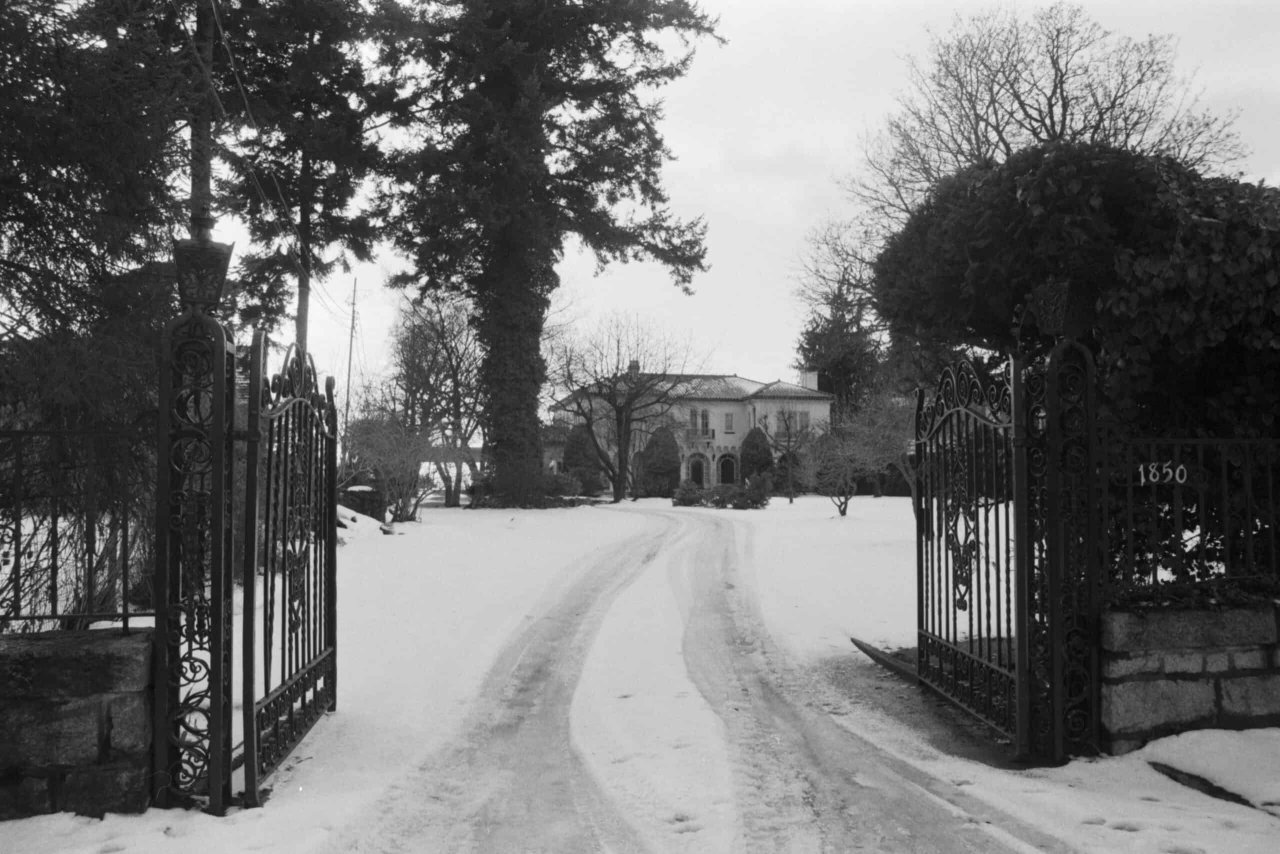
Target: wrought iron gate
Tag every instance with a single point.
(1007, 560)
(290, 666)
(235, 446)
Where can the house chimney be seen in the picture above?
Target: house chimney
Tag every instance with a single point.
(809, 380)
(634, 367)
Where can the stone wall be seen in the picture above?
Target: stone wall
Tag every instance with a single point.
(75, 722)
(1170, 671)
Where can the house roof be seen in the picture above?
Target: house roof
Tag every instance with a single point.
(779, 389)
(734, 387)
(731, 387)
(718, 387)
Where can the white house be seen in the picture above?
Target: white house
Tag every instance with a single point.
(713, 413)
(718, 411)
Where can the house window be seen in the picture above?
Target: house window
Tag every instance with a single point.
(804, 420)
(706, 422)
(693, 419)
(728, 422)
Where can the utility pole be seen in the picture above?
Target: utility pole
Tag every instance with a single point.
(351, 338)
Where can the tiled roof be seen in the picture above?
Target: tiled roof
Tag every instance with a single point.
(733, 387)
(717, 387)
(779, 389)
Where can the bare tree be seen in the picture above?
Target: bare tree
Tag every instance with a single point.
(622, 380)
(863, 443)
(997, 82)
(788, 435)
(437, 363)
(385, 444)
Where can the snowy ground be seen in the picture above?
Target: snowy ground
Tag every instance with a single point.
(426, 613)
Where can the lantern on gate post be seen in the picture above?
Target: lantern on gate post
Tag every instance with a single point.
(202, 271)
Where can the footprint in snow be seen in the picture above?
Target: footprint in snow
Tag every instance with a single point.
(1178, 848)
(1127, 826)
(1096, 820)
(682, 823)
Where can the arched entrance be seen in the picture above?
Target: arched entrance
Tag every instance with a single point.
(728, 470)
(698, 469)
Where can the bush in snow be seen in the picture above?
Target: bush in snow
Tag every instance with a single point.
(688, 494)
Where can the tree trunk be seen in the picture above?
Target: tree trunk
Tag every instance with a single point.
(512, 307)
(909, 475)
(623, 432)
(304, 256)
(451, 498)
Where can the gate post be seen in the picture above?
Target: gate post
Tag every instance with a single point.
(1072, 558)
(1024, 554)
(191, 733)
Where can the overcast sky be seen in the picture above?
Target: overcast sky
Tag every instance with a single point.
(765, 127)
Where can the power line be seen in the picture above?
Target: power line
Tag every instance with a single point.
(225, 40)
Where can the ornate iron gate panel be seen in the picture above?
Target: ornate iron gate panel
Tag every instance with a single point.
(287, 554)
(290, 596)
(1009, 551)
(965, 520)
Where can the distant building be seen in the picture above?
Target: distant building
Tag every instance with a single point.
(720, 410)
(716, 411)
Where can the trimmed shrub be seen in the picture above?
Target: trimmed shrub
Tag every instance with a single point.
(557, 485)
(723, 495)
(688, 494)
(659, 465)
(757, 492)
(801, 477)
(755, 454)
(581, 462)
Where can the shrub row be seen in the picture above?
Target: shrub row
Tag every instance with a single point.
(753, 496)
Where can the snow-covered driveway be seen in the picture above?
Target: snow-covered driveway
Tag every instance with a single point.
(644, 708)
(644, 678)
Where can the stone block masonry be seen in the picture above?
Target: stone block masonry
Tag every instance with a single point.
(75, 722)
(1168, 671)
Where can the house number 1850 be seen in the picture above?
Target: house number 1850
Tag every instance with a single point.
(1158, 473)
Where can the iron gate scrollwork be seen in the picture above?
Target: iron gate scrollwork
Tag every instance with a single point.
(193, 583)
(283, 488)
(290, 668)
(964, 520)
(1008, 548)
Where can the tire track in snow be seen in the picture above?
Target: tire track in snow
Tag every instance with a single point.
(803, 783)
(513, 781)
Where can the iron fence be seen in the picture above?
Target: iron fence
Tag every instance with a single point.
(76, 516)
(1186, 518)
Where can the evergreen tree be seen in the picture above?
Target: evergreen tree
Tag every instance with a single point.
(755, 453)
(659, 473)
(533, 128)
(840, 346)
(580, 459)
(300, 100)
(91, 102)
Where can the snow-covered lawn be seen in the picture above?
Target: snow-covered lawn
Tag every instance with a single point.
(423, 614)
